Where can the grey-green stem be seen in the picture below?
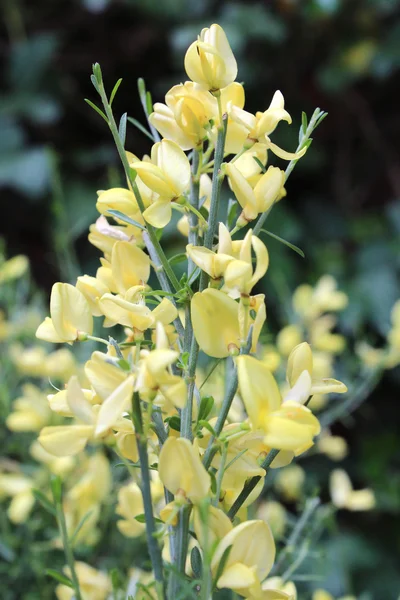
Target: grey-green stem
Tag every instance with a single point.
(154, 549)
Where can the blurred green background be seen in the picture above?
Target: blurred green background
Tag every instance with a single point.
(343, 203)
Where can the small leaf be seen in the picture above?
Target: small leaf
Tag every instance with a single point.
(221, 566)
(59, 577)
(122, 128)
(177, 258)
(97, 73)
(321, 118)
(141, 128)
(196, 562)
(262, 167)
(304, 123)
(115, 90)
(206, 406)
(174, 423)
(285, 242)
(149, 103)
(142, 519)
(214, 485)
(97, 109)
(231, 212)
(119, 215)
(79, 527)
(207, 426)
(44, 501)
(56, 488)
(94, 82)
(141, 88)
(124, 365)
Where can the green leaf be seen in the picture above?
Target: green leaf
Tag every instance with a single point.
(97, 73)
(59, 577)
(56, 488)
(321, 118)
(196, 562)
(115, 90)
(285, 242)
(207, 426)
(94, 82)
(124, 365)
(262, 167)
(122, 128)
(142, 519)
(206, 406)
(119, 215)
(231, 212)
(79, 527)
(141, 127)
(149, 103)
(141, 88)
(221, 565)
(44, 501)
(304, 123)
(177, 258)
(174, 423)
(97, 109)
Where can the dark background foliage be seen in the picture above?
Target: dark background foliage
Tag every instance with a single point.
(343, 204)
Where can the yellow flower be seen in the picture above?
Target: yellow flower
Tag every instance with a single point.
(185, 116)
(260, 125)
(274, 514)
(119, 199)
(209, 61)
(215, 322)
(103, 235)
(182, 471)
(289, 482)
(344, 496)
(154, 372)
(168, 175)
(92, 288)
(250, 559)
(70, 315)
(94, 585)
(299, 374)
(13, 268)
(267, 190)
(30, 412)
(130, 266)
(334, 446)
(67, 440)
(287, 426)
(130, 504)
(239, 274)
(210, 524)
(19, 487)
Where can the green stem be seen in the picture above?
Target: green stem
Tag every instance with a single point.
(154, 550)
(223, 413)
(226, 405)
(221, 470)
(215, 194)
(250, 485)
(303, 140)
(163, 279)
(121, 151)
(194, 202)
(181, 548)
(69, 555)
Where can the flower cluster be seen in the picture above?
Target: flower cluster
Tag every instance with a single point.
(195, 461)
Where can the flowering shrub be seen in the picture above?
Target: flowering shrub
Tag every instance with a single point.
(187, 394)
